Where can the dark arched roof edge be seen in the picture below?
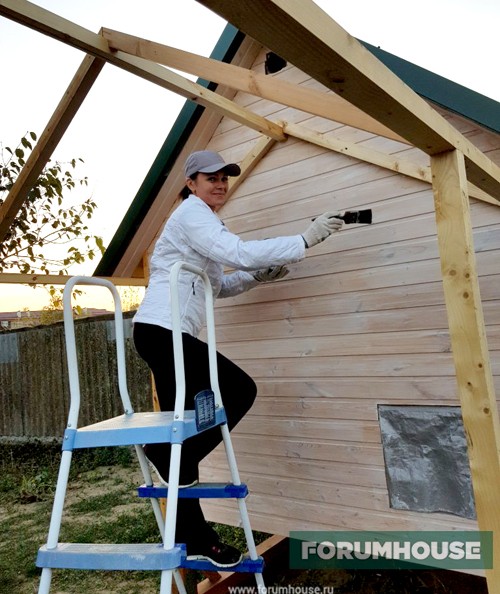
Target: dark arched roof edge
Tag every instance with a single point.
(435, 88)
(227, 46)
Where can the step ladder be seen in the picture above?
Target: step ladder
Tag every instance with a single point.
(133, 428)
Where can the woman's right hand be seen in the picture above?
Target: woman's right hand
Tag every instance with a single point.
(321, 228)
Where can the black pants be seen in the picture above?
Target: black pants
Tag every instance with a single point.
(155, 345)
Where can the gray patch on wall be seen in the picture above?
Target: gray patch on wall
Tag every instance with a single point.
(426, 461)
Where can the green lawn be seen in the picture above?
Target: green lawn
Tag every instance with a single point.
(102, 506)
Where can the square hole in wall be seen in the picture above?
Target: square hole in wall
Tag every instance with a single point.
(426, 461)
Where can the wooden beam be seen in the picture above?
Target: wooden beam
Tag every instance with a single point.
(304, 35)
(469, 345)
(251, 160)
(55, 26)
(358, 151)
(318, 103)
(71, 101)
(61, 279)
(369, 155)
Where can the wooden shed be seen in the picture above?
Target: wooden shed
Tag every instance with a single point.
(390, 317)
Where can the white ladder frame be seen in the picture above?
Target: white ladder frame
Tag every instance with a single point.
(166, 525)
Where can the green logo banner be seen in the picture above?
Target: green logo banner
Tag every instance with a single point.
(391, 550)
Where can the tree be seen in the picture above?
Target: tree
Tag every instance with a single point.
(47, 235)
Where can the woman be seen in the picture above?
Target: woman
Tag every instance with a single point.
(195, 234)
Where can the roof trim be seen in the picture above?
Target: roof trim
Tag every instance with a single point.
(442, 91)
(433, 87)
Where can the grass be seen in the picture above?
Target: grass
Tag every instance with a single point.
(101, 506)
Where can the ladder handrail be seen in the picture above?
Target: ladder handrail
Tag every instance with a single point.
(177, 336)
(71, 353)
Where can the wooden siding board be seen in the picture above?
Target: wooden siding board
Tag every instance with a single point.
(374, 365)
(326, 492)
(326, 450)
(363, 391)
(359, 408)
(271, 467)
(319, 516)
(366, 392)
(356, 345)
(294, 428)
(433, 318)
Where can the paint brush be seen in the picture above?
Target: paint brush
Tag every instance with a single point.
(355, 216)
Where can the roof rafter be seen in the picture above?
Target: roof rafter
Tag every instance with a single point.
(318, 103)
(250, 161)
(51, 24)
(303, 34)
(71, 101)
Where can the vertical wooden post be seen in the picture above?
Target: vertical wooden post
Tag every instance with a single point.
(469, 345)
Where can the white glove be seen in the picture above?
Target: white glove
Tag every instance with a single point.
(321, 228)
(271, 274)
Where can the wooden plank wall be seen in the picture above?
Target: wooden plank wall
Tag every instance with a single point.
(360, 322)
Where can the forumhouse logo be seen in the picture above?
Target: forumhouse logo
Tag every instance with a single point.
(391, 550)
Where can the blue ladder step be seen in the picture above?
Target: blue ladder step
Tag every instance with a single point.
(199, 491)
(136, 428)
(110, 556)
(247, 565)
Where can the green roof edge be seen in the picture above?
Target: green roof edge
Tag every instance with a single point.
(446, 93)
(442, 91)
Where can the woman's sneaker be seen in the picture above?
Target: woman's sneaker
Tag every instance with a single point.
(161, 465)
(218, 553)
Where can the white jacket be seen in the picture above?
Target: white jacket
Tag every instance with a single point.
(195, 234)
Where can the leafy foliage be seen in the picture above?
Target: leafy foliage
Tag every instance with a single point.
(45, 226)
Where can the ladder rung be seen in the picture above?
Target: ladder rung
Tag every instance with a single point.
(135, 428)
(199, 491)
(247, 565)
(110, 556)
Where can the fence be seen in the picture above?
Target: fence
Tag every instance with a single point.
(34, 387)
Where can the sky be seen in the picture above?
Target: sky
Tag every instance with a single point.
(124, 120)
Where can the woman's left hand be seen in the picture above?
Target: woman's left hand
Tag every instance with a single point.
(271, 274)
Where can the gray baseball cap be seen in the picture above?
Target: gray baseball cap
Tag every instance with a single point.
(209, 162)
